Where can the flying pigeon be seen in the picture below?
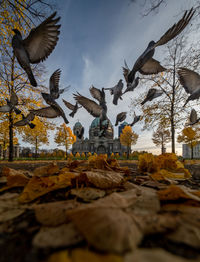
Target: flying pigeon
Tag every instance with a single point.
(74, 108)
(190, 80)
(193, 118)
(116, 91)
(26, 121)
(120, 117)
(152, 93)
(38, 45)
(145, 64)
(134, 84)
(79, 133)
(54, 85)
(136, 119)
(11, 104)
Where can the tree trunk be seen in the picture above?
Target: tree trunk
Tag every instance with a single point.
(36, 148)
(128, 149)
(192, 152)
(162, 144)
(66, 152)
(11, 149)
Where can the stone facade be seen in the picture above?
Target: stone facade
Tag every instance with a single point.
(186, 151)
(101, 145)
(5, 153)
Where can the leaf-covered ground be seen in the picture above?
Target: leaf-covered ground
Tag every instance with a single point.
(96, 210)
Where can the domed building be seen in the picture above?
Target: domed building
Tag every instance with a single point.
(106, 144)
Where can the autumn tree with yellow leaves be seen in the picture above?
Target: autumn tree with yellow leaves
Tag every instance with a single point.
(21, 15)
(128, 138)
(161, 137)
(168, 109)
(64, 137)
(38, 135)
(190, 136)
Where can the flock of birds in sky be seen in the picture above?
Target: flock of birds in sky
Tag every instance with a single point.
(40, 43)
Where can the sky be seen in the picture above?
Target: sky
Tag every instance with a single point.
(96, 36)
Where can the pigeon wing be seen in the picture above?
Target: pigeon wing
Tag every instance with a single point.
(152, 66)
(68, 105)
(42, 40)
(189, 79)
(91, 106)
(5, 109)
(54, 84)
(48, 112)
(96, 93)
(176, 28)
(30, 117)
(20, 123)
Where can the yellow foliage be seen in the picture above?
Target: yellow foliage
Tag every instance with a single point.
(77, 155)
(89, 154)
(83, 155)
(128, 137)
(148, 163)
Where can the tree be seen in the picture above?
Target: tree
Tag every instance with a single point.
(38, 135)
(189, 136)
(128, 138)
(64, 137)
(20, 15)
(4, 136)
(161, 137)
(168, 109)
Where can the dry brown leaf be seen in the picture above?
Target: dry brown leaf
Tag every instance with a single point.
(88, 193)
(83, 255)
(48, 170)
(106, 229)
(39, 186)
(62, 236)
(174, 192)
(153, 255)
(53, 214)
(10, 214)
(104, 179)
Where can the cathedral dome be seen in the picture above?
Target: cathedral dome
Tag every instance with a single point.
(95, 127)
(95, 122)
(77, 124)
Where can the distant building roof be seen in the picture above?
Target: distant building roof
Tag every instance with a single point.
(95, 122)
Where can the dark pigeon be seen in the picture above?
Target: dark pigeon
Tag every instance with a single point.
(38, 45)
(120, 117)
(152, 94)
(116, 91)
(73, 108)
(54, 85)
(135, 120)
(11, 104)
(193, 118)
(26, 121)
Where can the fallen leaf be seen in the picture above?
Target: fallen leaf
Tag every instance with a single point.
(38, 186)
(53, 214)
(61, 236)
(47, 170)
(174, 192)
(88, 193)
(106, 229)
(83, 255)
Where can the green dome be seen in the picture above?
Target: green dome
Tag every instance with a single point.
(78, 124)
(124, 123)
(95, 122)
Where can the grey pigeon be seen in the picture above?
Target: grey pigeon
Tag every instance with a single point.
(136, 119)
(134, 84)
(193, 118)
(54, 85)
(152, 93)
(11, 104)
(154, 66)
(26, 121)
(73, 108)
(190, 80)
(54, 105)
(120, 117)
(38, 45)
(116, 91)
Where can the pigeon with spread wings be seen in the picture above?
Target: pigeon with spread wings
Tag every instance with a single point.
(190, 80)
(152, 94)
(116, 91)
(38, 45)
(11, 104)
(134, 84)
(73, 108)
(26, 120)
(135, 119)
(145, 64)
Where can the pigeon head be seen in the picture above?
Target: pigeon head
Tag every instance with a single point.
(151, 44)
(17, 32)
